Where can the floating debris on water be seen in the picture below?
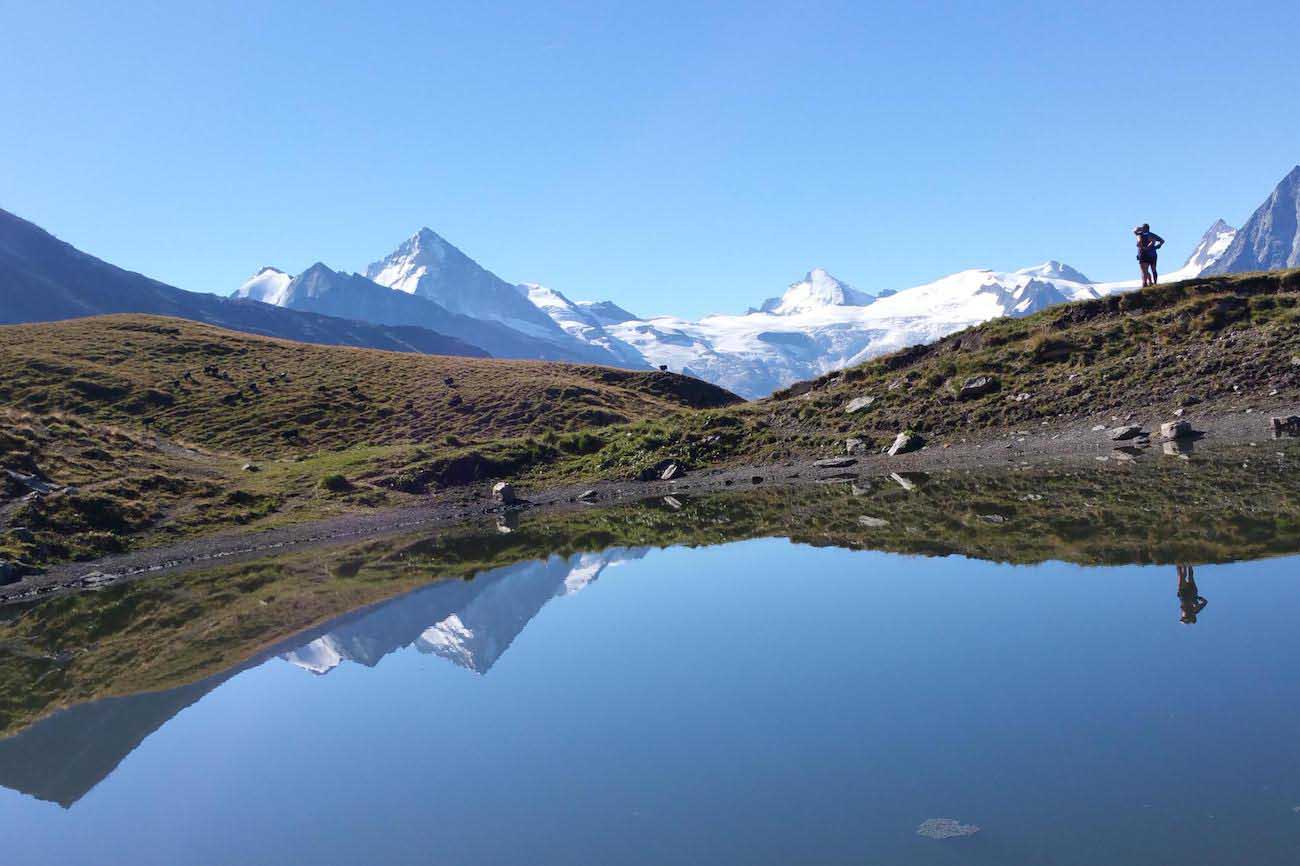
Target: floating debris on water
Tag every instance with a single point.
(945, 828)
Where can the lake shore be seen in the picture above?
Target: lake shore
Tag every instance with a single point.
(1076, 444)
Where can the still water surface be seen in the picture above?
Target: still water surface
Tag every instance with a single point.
(753, 702)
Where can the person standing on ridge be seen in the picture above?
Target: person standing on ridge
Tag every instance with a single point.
(1148, 242)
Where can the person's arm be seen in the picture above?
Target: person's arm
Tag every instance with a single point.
(1200, 603)
(1157, 241)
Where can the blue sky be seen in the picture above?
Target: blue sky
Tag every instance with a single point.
(675, 157)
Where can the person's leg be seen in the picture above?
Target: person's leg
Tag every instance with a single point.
(1146, 274)
(1155, 278)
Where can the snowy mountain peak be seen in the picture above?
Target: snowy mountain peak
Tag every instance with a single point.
(269, 285)
(1054, 270)
(1270, 239)
(1211, 246)
(818, 289)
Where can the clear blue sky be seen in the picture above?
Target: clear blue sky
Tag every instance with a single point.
(675, 157)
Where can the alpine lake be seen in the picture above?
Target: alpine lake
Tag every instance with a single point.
(1089, 664)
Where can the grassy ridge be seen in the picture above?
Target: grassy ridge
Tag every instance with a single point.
(263, 397)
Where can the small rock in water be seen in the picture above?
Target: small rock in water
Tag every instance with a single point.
(905, 483)
(673, 502)
(504, 492)
(834, 462)
(587, 495)
(945, 828)
(1179, 429)
(857, 404)
(671, 472)
(872, 522)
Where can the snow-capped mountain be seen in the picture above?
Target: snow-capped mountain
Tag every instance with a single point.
(428, 266)
(269, 285)
(1054, 270)
(1270, 239)
(808, 332)
(581, 323)
(1210, 249)
(320, 289)
(816, 290)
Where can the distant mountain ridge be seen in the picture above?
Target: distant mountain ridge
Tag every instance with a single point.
(322, 290)
(45, 279)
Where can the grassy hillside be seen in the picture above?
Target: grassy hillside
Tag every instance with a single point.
(266, 397)
(153, 420)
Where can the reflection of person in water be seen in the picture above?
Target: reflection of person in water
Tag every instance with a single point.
(1188, 599)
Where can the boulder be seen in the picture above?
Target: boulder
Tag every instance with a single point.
(671, 471)
(32, 482)
(834, 462)
(977, 386)
(587, 496)
(906, 483)
(504, 492)
(872, 522)
(906, 442)
(857, 404)
(1288, 426)
(1126, 432)
(1179, 429)
(854, 446)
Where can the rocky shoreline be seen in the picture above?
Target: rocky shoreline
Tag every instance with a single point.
(1111, 440)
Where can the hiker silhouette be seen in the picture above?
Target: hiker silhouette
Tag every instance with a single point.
(1148, 242)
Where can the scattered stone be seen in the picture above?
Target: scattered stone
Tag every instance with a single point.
(945, 828)
(31, 482)
(993, 518)
(860, 489)
(504, 492)
(854, 446)
(1126, 432)
(673, 502)
(587, 496)
(857, 404)
(1032, 497)
(1178, 413)
(834, 462)
(252, 467)
(872, 522)
(1176, 429)
(1020, 398)
(905, 442)
(1098, 427)
(670, 472)
(1272, 392)
(977, 386)
(1288, 426)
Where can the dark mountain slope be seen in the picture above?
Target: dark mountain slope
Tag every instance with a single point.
(43, 279)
